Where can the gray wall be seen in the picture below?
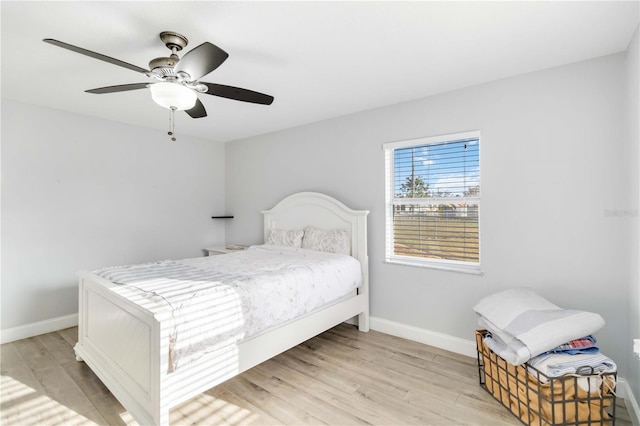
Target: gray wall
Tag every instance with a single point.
(82, 193)
(552, 154)
(633, 95)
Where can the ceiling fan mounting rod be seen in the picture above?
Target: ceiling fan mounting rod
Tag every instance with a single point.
(174, 41)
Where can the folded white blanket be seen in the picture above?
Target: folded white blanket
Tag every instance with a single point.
(524, 324)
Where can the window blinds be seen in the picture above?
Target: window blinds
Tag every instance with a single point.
(434, 199)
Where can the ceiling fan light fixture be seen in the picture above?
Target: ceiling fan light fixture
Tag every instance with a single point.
(173, 96)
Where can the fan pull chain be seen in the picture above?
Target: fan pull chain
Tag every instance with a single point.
(172, 124)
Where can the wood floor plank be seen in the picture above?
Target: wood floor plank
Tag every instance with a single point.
(485, 408)
(19, 387)
(343, 399)
(63, 389)
(279, 384)
(34, 354)
(44, 396)
(70, 335)
(356, 369)
(284, 411)
(416, 364)
(9, 356)
(379, 375)
(57, 347)
(321, 369)
(250, 414)
(401, 411)
(341, 377)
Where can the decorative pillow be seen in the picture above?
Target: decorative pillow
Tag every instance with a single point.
(281, 237)
(328, 240)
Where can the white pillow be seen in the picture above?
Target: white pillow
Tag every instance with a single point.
(281, 237)
(327, 240)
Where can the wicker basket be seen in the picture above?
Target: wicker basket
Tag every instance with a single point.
(539, 400)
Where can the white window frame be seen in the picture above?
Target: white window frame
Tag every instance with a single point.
(390, 257)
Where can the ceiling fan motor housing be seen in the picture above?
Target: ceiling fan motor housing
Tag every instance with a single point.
(163, 66)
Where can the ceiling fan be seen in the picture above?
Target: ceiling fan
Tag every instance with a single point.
(176, 84)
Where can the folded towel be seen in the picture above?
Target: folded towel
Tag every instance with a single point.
(556, 365)
(526, 324)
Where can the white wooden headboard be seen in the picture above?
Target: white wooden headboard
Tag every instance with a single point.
(304, 209)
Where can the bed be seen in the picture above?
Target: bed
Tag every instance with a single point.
(128, 346)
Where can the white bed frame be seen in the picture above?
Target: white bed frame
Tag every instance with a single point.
(127, 346)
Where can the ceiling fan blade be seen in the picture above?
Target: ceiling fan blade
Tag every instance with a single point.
(201, 60)
(95, 55)
(197, 111)
(238, 94)
(119, 88)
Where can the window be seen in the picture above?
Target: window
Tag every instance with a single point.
(433, 202)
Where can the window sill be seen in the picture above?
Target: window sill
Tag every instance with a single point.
(465, 269)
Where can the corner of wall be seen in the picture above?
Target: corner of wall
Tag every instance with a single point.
(632, 59)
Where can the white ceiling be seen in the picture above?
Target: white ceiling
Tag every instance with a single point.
(318, 59)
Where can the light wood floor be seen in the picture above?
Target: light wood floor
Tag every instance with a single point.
(340, 377)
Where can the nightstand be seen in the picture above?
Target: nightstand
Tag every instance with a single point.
(213, 251)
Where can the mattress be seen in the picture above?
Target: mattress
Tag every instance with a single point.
(221, 300)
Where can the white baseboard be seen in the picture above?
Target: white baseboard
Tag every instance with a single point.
(428, 337)
(37, 328)
(624, 391)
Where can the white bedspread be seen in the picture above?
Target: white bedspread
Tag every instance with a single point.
(221, 300)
